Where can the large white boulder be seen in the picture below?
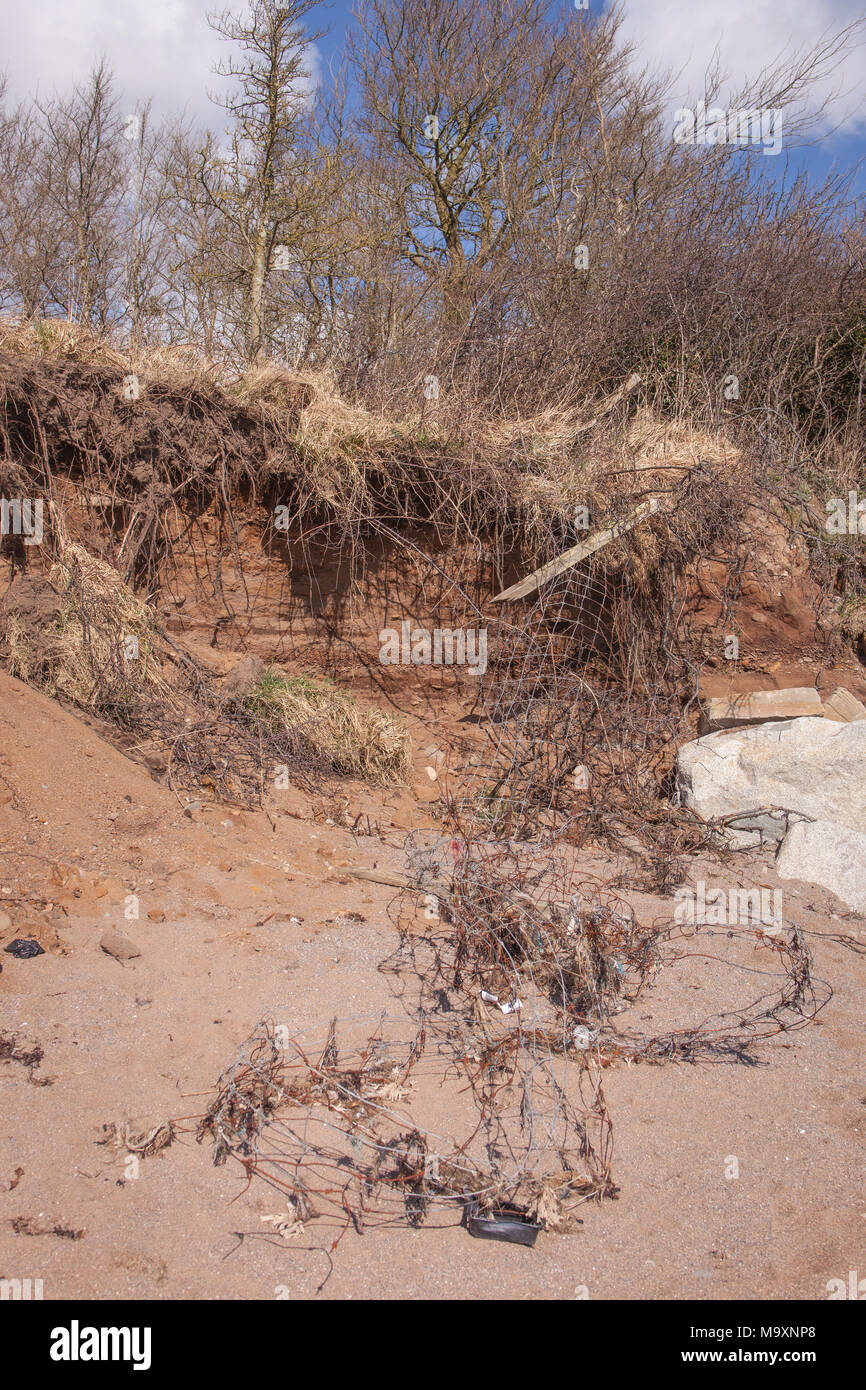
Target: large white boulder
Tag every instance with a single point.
(829, 854)
(812, 766)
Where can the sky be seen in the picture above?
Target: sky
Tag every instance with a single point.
(164, 49)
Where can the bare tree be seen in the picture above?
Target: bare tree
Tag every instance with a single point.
(29, 240)
(147, 239)
(476, 106)
(262, 187)
(84, 185)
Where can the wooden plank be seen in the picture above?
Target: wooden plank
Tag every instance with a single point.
(577, 553)
(608, 405)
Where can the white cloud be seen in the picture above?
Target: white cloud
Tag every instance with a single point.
(162, 49)
(682, 35)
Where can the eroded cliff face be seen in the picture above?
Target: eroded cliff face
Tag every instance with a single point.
(324, 604)
(185, 490)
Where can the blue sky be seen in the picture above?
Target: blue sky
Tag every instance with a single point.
(164, 49)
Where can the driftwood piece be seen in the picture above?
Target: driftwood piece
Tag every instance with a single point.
(577, 553)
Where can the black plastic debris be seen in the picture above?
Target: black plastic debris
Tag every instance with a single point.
(23, 948)
(505, 1222)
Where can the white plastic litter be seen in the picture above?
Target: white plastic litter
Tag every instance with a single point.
(506, 1008)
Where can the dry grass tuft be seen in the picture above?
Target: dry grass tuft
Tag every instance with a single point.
(20, 652)
(102, 650)
(57, 338)
(850, 617)
(364, 743)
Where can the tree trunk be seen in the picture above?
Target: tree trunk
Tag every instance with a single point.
(257, 295)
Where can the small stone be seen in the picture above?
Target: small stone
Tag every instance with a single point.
(120, 947)
(156, 915)
(24, 948)
(843, 707)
